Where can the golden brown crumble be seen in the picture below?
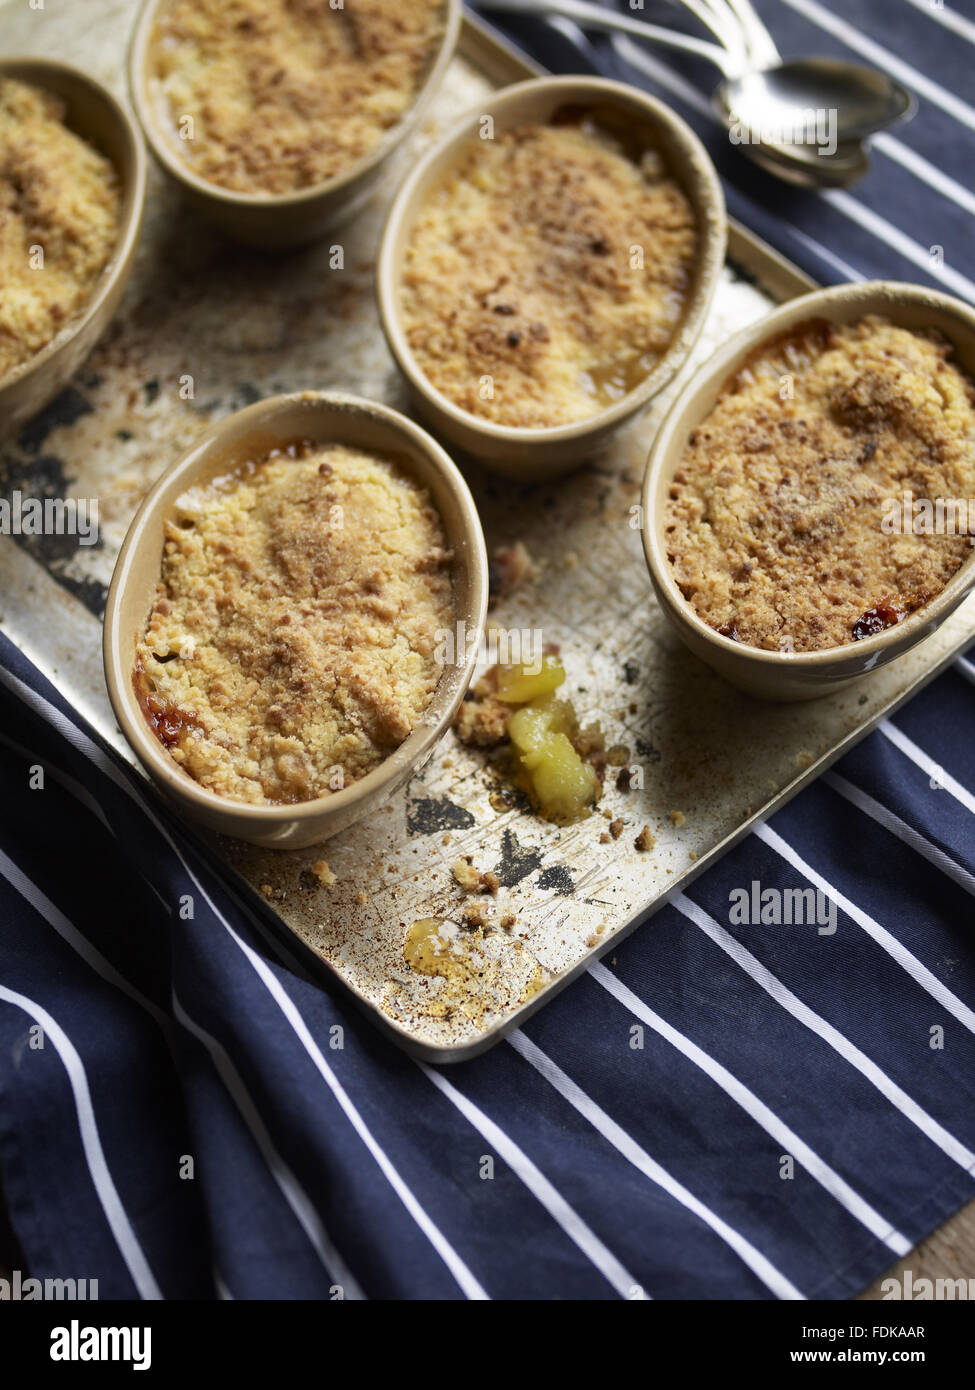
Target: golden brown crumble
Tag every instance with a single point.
(524, 298)
(59, 197)
(291, 646)
(776, 519)
(284, 94)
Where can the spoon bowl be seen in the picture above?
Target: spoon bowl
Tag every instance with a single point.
(817, 103)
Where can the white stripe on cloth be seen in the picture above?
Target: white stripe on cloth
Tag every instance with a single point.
(966, 669)
(784, 997)
(89, 749)
(923, 169)
(111, 1204)
(541, 1189)
(949, 18)
(937, 774)
(465, 1279)
(899, 241)
(908, 962)
(305, 1211)
(904, 832)
(63, 780)
(286, 1181)
(625, 1144)
(848, 271)
(817, 1168)
(882, 58)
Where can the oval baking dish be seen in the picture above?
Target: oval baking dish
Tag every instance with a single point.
(784, 675)
(320, 418)
(276, 221)
(94, 115)
(629, 116)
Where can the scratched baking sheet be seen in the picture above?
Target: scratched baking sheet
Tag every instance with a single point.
(243, 326)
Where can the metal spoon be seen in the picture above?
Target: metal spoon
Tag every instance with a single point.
(802, 120)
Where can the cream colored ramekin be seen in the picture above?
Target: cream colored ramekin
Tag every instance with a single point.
(93, 113)
(798, 675)
(544, 453)
(323, 418)
(276, 221)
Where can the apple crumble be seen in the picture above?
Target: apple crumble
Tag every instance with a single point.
(547, 274)
(271, 96)
(59, 220)
(778, 523)
(292, 643)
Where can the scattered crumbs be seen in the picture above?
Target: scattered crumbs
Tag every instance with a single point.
(644, 840)
(606, 815)
(465, 874)
(618, 755)
(267, 890)
(678, 817)
(509, 568)
(508, 921)
(323, 873)
(605, 838)
(616, 827)
(361, 897)
(477, 912)
(804, 759)
(445, 840)
(623, 779)
(693, 853)
(471, 879)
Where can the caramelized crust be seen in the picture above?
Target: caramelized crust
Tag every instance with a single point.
(778, 521)
(292, 643)
(284, 94)
(547, 274)
(58, 197)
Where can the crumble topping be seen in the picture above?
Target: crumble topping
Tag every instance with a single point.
(546, 276)
(284, 94)
(776, 518)
(292, 643)
(57, 194)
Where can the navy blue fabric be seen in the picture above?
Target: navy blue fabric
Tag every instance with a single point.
(203, 1120)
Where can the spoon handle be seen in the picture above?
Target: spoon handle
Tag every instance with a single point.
(759, 43)
(593, 17)
(717, 15)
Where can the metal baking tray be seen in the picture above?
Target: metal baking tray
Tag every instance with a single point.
(239, 326)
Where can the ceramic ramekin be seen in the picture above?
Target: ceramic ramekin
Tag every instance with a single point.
(799, 675)
(276, 221)
(94, 114)
(543, 453)
(324, 418)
